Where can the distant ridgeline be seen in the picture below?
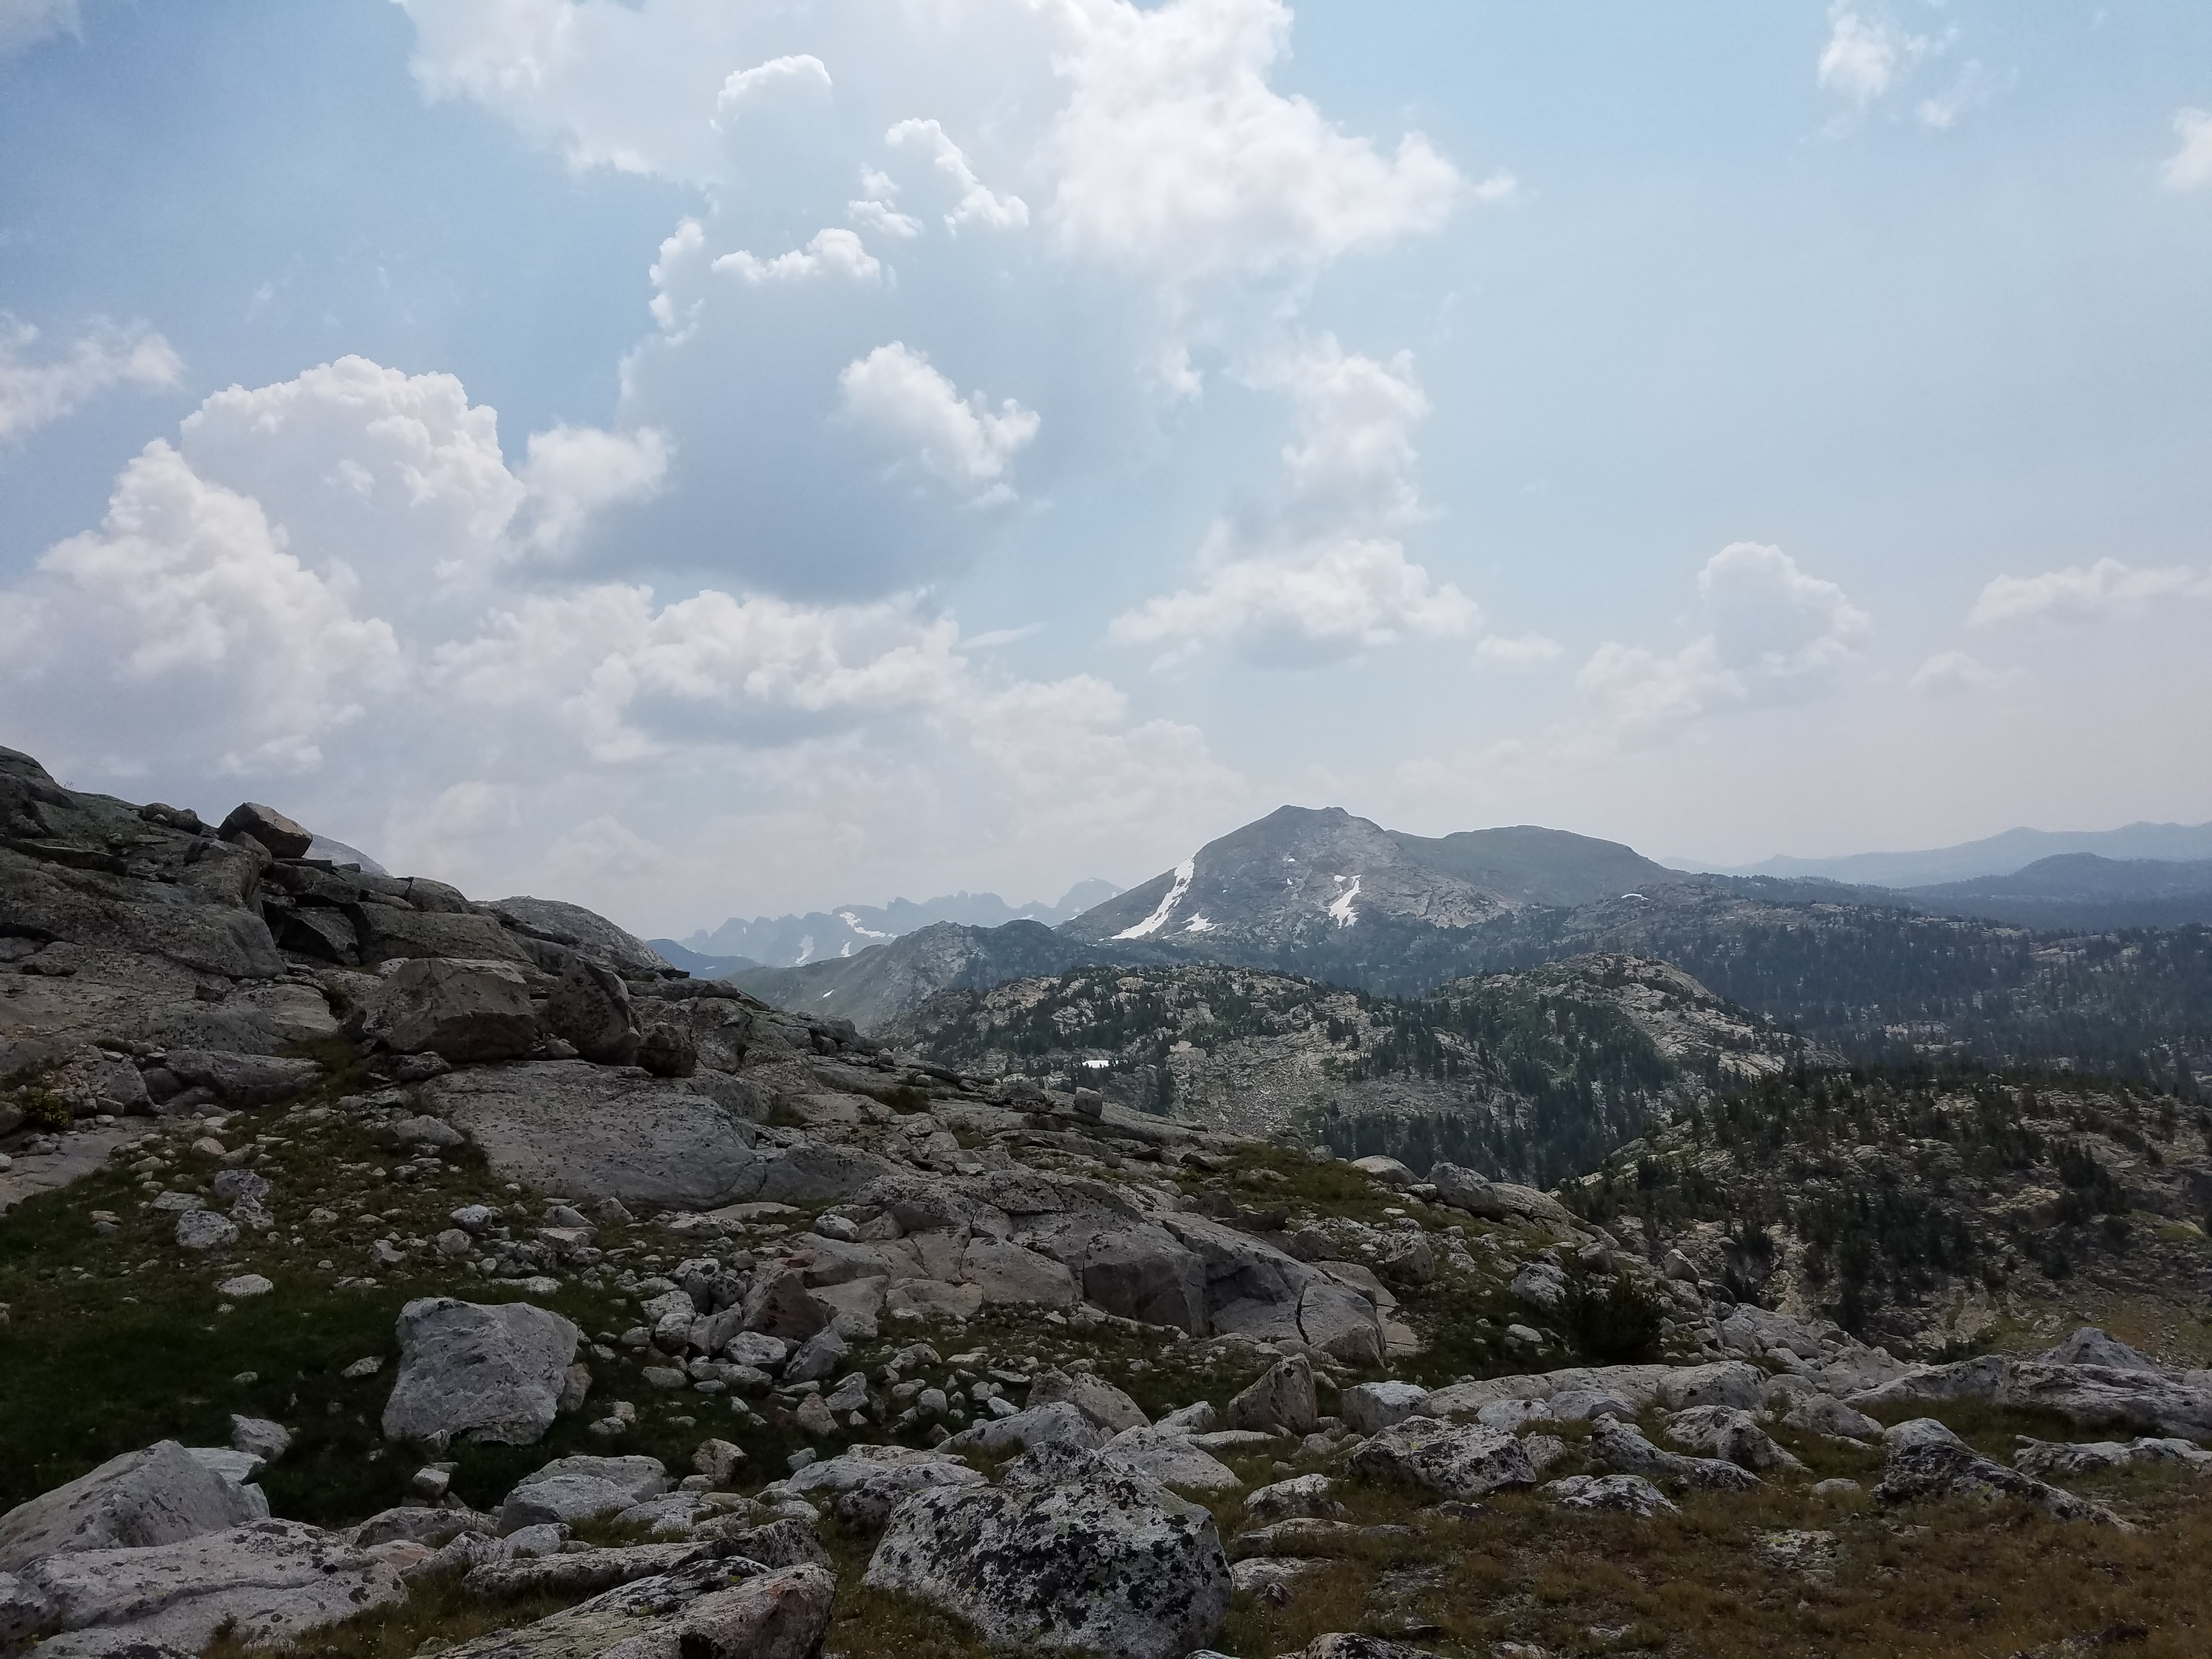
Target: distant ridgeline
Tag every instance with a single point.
(1536, 1075)
(1324, 899)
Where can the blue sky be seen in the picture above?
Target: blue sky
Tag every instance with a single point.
(700, 458)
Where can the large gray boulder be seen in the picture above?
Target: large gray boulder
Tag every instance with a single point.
(572, 925)
(590, 1007)
(242, 1080)
(161, 1495)
(573, 1489)
(267, 1582)
(276, 834)
(469, 1372)
(1733, 1436)
(1496, 1201)
(468, 1012)
(1926, 1461)
(1622, 1448)
(1074, 1552)
(716, 1610)
(1169, 1458)
(1450, 1459)
(865, 1483)
(1094, 1396)
(1367, 1407)
(1282, 1398)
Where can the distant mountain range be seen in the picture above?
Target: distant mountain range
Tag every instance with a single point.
(1997, 855)
(1315, 892)
(2082, 890)
(1875, 973)
(792, 941)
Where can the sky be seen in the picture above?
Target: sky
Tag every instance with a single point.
(702, 458)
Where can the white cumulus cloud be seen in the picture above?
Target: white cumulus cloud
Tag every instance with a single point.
(2085, 593)
(1321, 574)
(1173, 154)
(1776, 633)
(896, 393)
(832, 253)
(979, 203)
(759, 84)
(2190, 167)
(348, 553)
(37, 388)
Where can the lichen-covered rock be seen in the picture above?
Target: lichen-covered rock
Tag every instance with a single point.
(2046, 1459)
(1368, 1407)
(1059, 1423)
(470, 1372)
(1074, 1552)
(1451, 1460)
(1622, 1448)
(720, 1609)
(1733, 1436)
(268, 1581)
(161, 1495)
(1926, 1461)
(1302, 1494)
(1169, 1458)
(1612, 1494)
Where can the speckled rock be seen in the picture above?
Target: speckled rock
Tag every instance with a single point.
(1075, 1551)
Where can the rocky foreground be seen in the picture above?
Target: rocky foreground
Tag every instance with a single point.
(394, 1273)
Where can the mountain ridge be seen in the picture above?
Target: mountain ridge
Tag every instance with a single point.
(2000, 855)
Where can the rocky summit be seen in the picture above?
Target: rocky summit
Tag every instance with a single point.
(388, 1272)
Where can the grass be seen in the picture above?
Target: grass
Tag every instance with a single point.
(1957, 1581)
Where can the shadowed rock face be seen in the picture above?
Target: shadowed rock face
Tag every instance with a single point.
(1073, 1551)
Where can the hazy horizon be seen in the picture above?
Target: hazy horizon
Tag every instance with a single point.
(704, 460)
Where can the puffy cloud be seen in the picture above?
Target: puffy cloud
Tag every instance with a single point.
(2190, 167)
(347, 553)
(1321, 606)
(1954, 673)
(760, 84)
(1774, 622)
(1185, 206)
(1173, 154)
(1776, 634)
(832, 252)
(574, 472)
(35, 393)
(1865, 57)
(24, 23)
(2092, 593)
(978, 203)
(188, 609)
(894, 393)
(1320, 575)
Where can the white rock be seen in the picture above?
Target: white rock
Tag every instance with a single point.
(244, 1285)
